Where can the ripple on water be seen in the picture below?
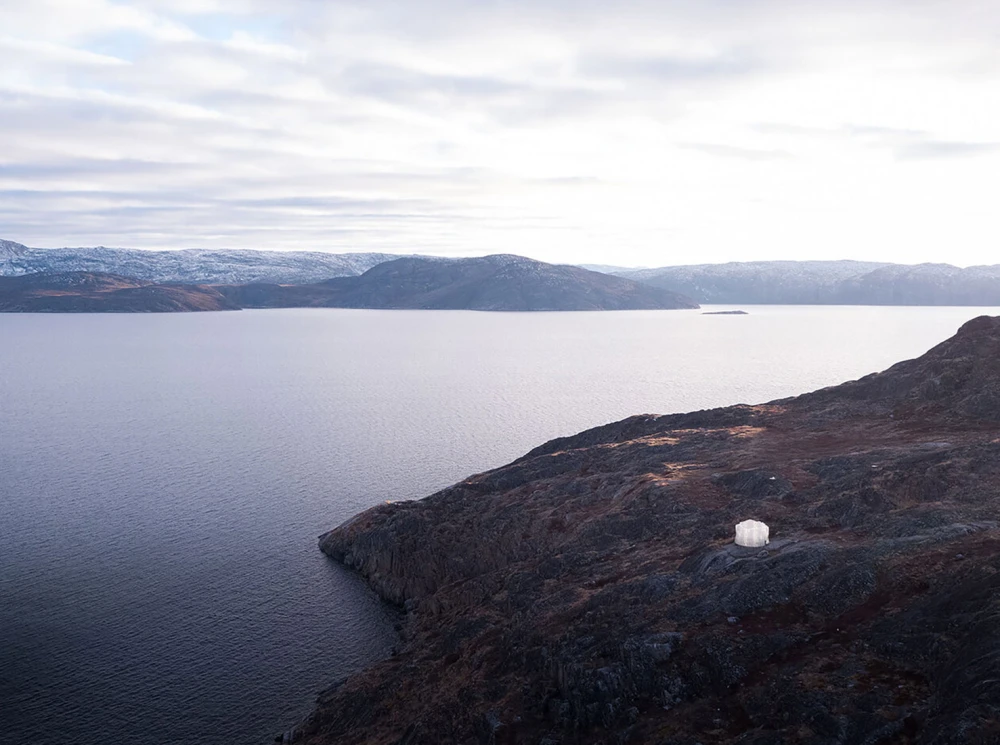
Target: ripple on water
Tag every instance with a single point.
(163, 479)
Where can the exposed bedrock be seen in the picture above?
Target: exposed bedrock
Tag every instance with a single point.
(590, 592)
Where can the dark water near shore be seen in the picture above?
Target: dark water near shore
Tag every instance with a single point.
(163, 479)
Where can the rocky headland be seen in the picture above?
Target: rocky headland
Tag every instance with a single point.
(590, 591)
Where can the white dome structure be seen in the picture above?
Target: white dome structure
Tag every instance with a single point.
(752, 533)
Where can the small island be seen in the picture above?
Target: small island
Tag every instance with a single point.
(725, 313)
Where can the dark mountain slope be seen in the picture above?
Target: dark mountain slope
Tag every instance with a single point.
(590, 591)
(502, 282)
(86, 292)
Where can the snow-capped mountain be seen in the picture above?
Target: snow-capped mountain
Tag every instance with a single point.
(10, 250)
(189, 265)
(777, 282)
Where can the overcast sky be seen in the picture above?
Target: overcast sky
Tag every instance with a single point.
(630, 133)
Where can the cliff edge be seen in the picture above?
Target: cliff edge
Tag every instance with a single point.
(590, 591)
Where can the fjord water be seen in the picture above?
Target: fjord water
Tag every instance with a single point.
(163, 479)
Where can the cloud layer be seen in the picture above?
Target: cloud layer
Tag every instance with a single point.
(631, 133)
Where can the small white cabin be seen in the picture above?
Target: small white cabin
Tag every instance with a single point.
(752, 533)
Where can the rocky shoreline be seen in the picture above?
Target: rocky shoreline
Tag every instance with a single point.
(590, 591)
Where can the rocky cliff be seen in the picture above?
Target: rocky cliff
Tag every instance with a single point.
(590, 591)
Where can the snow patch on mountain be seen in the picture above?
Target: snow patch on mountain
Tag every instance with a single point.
(201, 266)
(10, 250)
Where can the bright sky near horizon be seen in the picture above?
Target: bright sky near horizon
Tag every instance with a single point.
(641, 132)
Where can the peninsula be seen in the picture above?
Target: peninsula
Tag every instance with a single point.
(591, 591)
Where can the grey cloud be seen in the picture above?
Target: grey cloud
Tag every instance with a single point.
(781, 128)
(741, 153)
(92, 167)
(256, 102)
(442, 19)
(336, 203)
(569, 181)
(206, 225)
(73, 117)
(673, 68)
(844, 130)
(555, 106)
(868, 130)
(503, 101)
(932, 149)
(214, 217)
(393, 82)
(904, 143)
(153, 199)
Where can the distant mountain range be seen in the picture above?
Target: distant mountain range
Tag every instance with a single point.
(195, 266)
(826, 283)
(499, 283)
(437, 282)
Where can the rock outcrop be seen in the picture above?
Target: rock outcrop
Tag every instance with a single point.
(590, 592)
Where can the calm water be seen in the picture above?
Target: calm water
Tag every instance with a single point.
(163, 479)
